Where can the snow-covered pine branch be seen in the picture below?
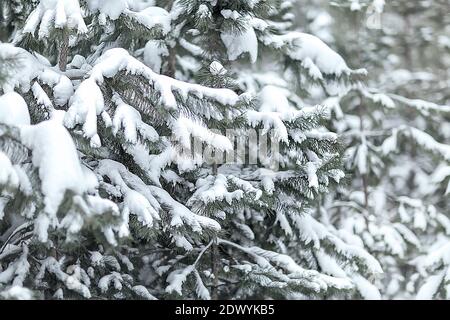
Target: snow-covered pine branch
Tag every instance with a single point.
(98, 198)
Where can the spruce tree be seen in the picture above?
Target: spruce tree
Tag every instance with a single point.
(103, 194)
(394, 203)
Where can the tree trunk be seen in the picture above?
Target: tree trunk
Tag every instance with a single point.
(364, 176)
(64, 51)
(214, 287)
(171, 63)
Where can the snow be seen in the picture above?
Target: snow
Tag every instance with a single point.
(426, 141)
(311, 170)
(34, 67)
(154, 52)
(378, 5)
(13, 110)
(437, 257)
(424, 106)
(390, 143)
(111, 8)
(54, 153)
(62, 86)
(361, 156)
(321, 135)
(114, 278)
(217, 69)
(310, 230)
(192, 48)
(51, 265)
(55, 13)
(18, 293)
(329, 265)
(143, 292)
(152, 17)
(116, 60)
(230, 14)
(119, 172)
(355, 5)
(203, 12)
(393, 240)
(84, 107)
(62, 91)
(177, 278)
(130, 120)
(134, 202)
(148, 16)
(153, 164)
(275, 119)
(41, 97)
(380, 98)
(243, 42)
(155, 198)
(430, 287)
(311, 278)
(214, 189)
(440, 174)
(274, 99)
(407, 234)
(137, 204)
(245, 186)
(368, 291)
(181, 214)
(184, 128)
(420, 221)
(270, 120)
(29, 68)
(8, 176)
(200, 289)
(317, 57)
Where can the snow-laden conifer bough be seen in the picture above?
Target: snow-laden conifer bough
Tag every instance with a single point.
(98, 98)
(396, 142)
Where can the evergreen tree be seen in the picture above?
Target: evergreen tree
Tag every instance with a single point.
(13, 14)
(103, 194)
(394, 201)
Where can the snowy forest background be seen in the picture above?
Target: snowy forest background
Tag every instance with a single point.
(98, 97)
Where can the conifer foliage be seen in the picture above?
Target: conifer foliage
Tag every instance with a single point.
(395, 130)
(179, 149)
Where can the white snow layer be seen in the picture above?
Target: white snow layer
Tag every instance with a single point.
(317, 57)
(55, 155)
(239, 43)
(85, 105)
(185, 128)
(13, 110)
(55, 13)
(153, 52)
(87, 102)
(149, 17)
(274, 99)
(33, 67)
(110, 8)
(422, 138)
(153, 199)
(130, 120)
